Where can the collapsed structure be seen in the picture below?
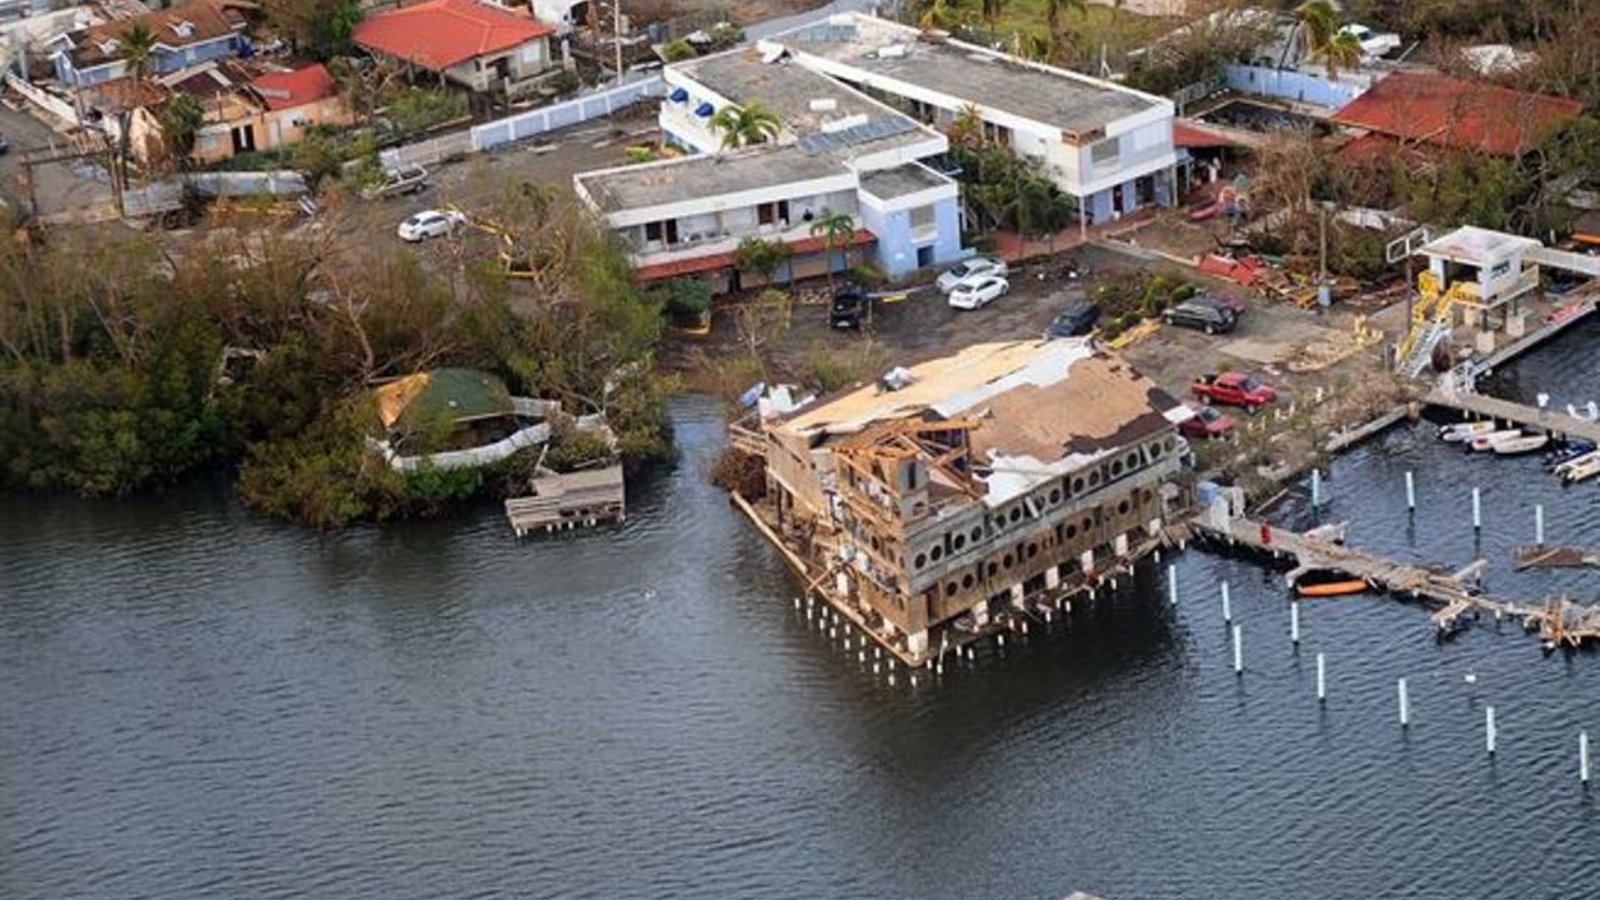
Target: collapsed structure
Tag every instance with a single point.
(964, 486)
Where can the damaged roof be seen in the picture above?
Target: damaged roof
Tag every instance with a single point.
(1045, 407)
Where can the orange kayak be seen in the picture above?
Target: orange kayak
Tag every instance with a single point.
(1332, 588)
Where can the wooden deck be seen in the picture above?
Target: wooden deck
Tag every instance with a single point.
(569, 500)
(1552, 556)
(1454, 600)
(1481, 406)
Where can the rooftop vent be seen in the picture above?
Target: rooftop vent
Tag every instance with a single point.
(184, 28)
(824, 104)
(892, 51)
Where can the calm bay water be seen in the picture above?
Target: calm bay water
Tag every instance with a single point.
(196, 702)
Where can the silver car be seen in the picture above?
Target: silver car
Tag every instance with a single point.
(978, 265)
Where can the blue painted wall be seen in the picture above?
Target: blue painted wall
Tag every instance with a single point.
(1288, 84)
(162, 61)
(896, 252)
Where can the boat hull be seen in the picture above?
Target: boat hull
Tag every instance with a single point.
(1332, 588)
(1525, 444)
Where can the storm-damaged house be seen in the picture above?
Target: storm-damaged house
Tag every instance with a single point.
(969, 485)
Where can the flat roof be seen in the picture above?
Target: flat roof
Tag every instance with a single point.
(887, 184)
(1475, 246)
(1046, 408)
(1074, 103)
(672, 181)
(808, 104)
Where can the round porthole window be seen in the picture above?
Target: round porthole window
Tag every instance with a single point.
(936, 553)
(920, 561)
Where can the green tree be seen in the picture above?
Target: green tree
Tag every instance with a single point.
(992, 10)
(741, 126)
(942, 15)
(762, 257)
(836, 229)
(181, 119)
(678, 51)
(138, 43)
(319, 29)
(317, 159)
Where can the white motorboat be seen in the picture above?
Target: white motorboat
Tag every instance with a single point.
(1464, 431)
(1527, 443)
(1583, 468)
(1589, 413)
(1485, 442)
(1593, 456)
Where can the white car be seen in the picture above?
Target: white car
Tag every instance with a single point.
(978, 265)
(1372, 43)
(430, 223)
(978, 291)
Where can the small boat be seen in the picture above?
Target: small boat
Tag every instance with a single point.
(1328, 583)
(1590, 413)
(1582, 469)
(1527, 443)
(1464, 431)
(1332, 588)
(1586, 459)
(1483, 443)
(1570, 451)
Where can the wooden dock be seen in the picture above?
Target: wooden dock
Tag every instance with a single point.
(562, 501)
(1453, 596)
(1481, 406)
(1552, 556)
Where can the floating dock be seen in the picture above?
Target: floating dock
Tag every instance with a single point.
(570, 500)
(1454, 597)
(1550, 556)
(1482, 406)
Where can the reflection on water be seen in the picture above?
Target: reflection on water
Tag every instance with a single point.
(201, 703)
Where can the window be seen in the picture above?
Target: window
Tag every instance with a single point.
(662, 232)
(1106, 153)
(922, 218)
(773, 213)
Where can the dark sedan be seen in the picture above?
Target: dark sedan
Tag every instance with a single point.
(1077, 319)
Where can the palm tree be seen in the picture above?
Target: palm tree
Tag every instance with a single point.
(137, 44)
(1322, 39)
(181, 119)
(833, 228)
(742, 126)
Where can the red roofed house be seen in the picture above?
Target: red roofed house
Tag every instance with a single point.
(1420, 108)
(244, 111)
(472, 44)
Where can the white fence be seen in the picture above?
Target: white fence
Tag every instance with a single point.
(46, 101)
(530, 124)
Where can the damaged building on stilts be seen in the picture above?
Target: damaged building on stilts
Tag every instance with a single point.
(934, 504)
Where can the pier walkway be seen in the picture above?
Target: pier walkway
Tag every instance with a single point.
(1558, 622)
(1482, 406)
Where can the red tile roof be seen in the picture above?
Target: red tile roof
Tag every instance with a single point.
(714, 261)
(284, 90)
(438, 34)
(1465, 115)
(1186, 135)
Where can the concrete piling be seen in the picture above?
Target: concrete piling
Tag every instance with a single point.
(1489, 734)
(1227, 605)
(1411, 491)
(1316, 488)
(1172, 584)
(1294, 622)
(1405, 703)
(1477, 509)
(1238, 649)
(1322, 678)
(1538, 524)
(1583, 757)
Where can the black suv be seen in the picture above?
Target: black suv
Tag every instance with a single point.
(1077, 319)
(1207, 318)
(849, 303)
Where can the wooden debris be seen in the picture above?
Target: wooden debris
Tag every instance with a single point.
(1551, 556)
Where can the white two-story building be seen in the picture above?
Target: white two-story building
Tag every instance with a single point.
(863, 105)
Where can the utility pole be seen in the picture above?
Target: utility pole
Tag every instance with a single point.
(1324, 290)
(616, 34)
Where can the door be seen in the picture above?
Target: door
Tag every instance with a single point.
(1116, 199)
(244, 139)
(924, 257)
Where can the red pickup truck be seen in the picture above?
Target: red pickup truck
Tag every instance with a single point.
(1233, 389)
